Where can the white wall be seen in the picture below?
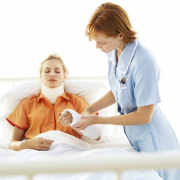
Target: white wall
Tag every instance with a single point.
(30, 30)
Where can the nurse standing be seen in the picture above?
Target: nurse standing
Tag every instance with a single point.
(133, 77)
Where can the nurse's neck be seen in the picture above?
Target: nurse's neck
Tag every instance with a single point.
(120, 49)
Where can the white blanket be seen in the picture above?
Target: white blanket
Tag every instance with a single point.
(68, 146)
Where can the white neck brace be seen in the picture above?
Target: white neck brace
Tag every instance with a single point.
(51, 94)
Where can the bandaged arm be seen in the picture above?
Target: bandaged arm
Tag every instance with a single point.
(93, 131)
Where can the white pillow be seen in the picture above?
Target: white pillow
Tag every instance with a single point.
(89, 90)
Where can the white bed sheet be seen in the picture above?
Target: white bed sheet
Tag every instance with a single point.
(66, 145)
(112, 139)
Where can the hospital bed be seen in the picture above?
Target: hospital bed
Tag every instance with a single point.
(71, 158)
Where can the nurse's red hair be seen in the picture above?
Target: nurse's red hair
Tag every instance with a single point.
(110, 19)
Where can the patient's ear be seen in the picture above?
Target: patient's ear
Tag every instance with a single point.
(41, 76)
(65, 77)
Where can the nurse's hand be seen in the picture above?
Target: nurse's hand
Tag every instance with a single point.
(87, 120)
(65, 118)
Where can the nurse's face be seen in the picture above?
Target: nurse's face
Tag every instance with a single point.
(107, 44)
(52, 74)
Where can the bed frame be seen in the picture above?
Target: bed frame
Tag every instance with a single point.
(114, 164)
(64, 165)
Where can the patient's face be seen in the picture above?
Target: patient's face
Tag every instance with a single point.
(52, 74)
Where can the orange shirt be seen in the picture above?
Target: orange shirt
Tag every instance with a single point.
(36, 115)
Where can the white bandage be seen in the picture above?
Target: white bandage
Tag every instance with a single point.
(92, 131)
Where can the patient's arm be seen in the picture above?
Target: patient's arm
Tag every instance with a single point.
(18, 144)
(93, 132)
(107, 100)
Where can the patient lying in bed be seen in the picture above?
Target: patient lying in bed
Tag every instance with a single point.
(40, 113)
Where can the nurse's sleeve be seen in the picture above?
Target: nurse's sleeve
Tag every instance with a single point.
(146, 90)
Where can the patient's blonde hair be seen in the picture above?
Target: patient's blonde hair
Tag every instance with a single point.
(55, 56)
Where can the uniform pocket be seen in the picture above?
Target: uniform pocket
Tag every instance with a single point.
(123, 97)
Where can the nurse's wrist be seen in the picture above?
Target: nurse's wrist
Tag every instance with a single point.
(89, 110)
(101, 120)
(86, 112)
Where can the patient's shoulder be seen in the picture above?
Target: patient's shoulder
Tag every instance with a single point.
(30, 99)
(75, 99)
(78, 102)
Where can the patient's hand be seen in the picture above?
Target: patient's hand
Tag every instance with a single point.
(40, 144)
(65, 118)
